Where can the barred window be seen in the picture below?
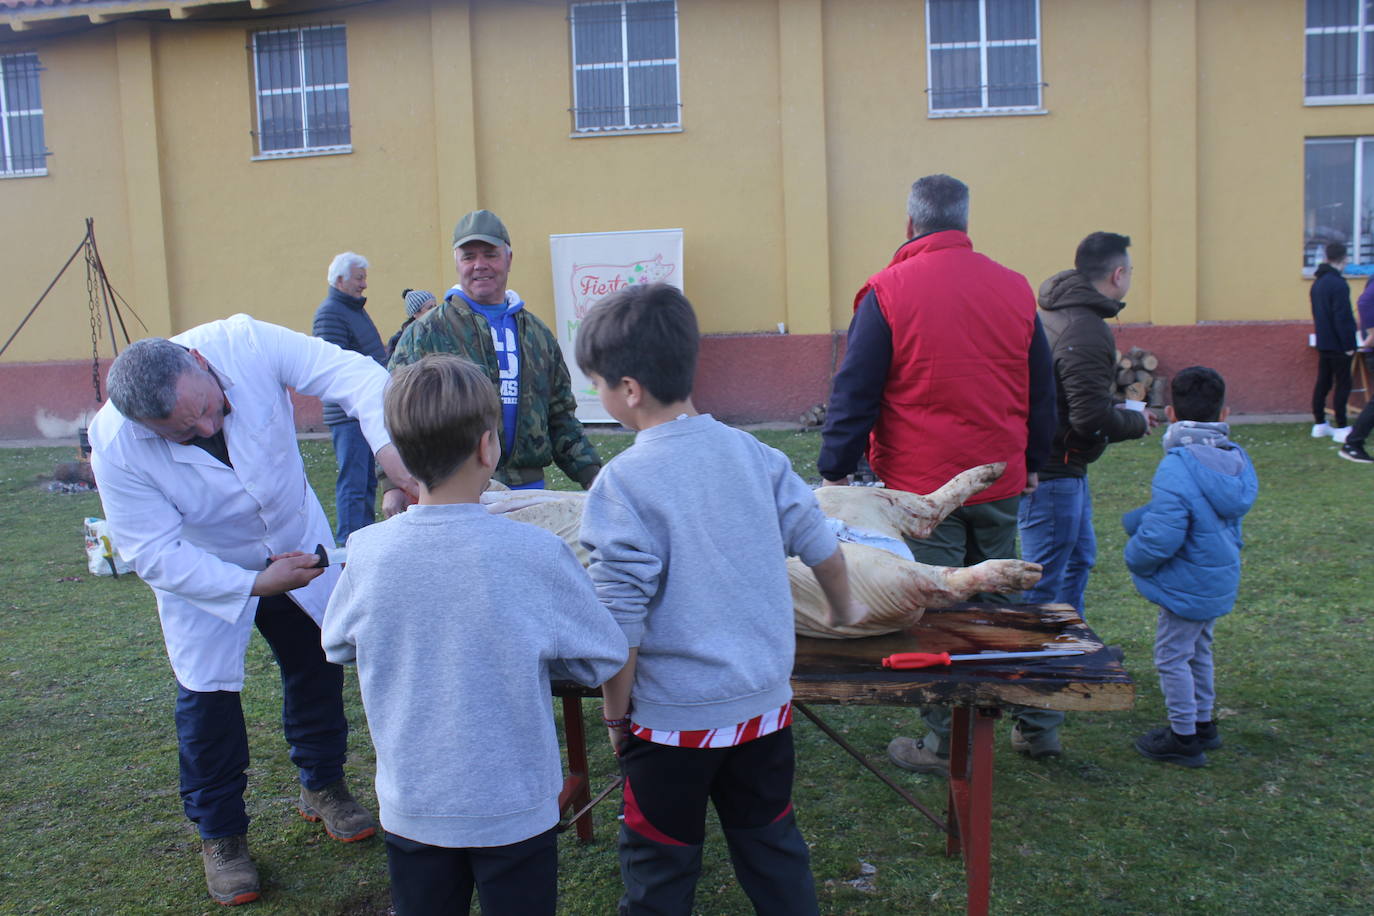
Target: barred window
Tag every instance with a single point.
(301, 79)
(21, 116)
(983, 56)
(1338, 187)
(625, 66)
(1340, 51)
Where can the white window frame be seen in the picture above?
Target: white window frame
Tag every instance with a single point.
(625, 65)
(1355, 266)
(983, 44)
(1364, 35)
(6, 152)
(260, 93)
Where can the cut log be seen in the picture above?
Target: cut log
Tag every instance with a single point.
(1124, 362)
(1135, 391)
(1124, 377)
(1149, 362)
(1157, 393)
(1145, 378)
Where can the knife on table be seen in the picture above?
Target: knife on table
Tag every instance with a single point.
(933, 659)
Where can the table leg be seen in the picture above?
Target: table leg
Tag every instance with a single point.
(970, 799)
(577, 787)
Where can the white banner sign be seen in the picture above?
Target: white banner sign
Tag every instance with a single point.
(589, 266)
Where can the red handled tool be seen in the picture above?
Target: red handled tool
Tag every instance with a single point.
(933, 659)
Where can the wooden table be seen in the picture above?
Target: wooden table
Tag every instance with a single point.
(850, 672)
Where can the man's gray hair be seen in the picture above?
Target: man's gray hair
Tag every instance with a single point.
(936, 203)
(143, 379)
(343, 264)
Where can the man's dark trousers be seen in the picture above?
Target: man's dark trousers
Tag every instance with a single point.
(213, 741)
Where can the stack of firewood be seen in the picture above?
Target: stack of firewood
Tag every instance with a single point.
(1136, 378)
(813, 417)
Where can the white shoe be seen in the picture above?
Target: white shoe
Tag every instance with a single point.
(1340, 434)
(1321, 430)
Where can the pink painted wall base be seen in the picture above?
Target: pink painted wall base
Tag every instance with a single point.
(750, 378)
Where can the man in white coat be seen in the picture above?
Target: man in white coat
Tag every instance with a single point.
(196, 459)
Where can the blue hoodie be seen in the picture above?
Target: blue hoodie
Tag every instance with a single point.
(1184, 547)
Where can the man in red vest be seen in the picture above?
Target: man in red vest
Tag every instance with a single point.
(946, 368)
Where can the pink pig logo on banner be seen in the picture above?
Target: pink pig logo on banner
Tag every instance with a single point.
(593, 282)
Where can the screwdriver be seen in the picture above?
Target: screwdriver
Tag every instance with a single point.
(932, 659)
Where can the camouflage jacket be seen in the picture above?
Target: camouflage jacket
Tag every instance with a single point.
(546, 427)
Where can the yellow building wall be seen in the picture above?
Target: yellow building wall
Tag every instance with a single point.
(804, 123)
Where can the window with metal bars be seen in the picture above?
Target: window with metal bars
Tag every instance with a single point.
(21, 116)
(301, 80)
(625, 66)
(1338, 187)
(1340, 52)
(983, 57)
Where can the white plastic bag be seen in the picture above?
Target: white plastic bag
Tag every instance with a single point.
(101, 557)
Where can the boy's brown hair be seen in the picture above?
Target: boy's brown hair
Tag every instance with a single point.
(436, 410)
(648, 333)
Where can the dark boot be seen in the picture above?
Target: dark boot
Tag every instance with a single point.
(1208, 736)
(660, 878)
(773, 866)
(1165, 745)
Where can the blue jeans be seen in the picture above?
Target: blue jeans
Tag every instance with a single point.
(1183, 658)
(212, 740)
(355, 493)
(1056, 523)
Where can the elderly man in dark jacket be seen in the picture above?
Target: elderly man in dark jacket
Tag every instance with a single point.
(342, 319)
(1335, 326)
(1056, 520)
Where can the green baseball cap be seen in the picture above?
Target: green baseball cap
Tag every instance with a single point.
(480, 226)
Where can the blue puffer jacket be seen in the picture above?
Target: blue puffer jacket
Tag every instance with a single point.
(1184, 547)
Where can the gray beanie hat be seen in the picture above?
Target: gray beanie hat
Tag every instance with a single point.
(416, 300)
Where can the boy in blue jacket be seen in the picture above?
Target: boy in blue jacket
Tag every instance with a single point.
(1184, 555)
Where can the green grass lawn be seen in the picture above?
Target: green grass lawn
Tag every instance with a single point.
(1282, 821)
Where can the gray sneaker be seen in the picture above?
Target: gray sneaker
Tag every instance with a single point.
(914, 755)
(230, 874)
(344, 819)
(1044, 744)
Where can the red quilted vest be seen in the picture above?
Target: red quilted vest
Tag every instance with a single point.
(957, 393)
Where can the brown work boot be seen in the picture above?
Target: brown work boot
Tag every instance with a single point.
(1040, 745)
(229, 873)
(914, 755)
(344, 819)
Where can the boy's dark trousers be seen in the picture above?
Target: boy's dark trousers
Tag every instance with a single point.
(520, 879)
(1333, 369)
(666, 790)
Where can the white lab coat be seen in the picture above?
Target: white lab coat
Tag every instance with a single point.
(199, 532)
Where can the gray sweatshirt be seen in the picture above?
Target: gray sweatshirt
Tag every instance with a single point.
(456, 619)
(689, 531)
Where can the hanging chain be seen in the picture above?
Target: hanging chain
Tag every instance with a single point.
(95, 319)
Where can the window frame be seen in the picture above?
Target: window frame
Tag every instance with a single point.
(6, 154)
(1362, 228)
(625, 65)
(1363, 28)
(983, 44)
(302, 91)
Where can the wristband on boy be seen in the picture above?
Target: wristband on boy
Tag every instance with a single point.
(623, 722)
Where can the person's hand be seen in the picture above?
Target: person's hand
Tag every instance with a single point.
(618, 737)
(394, 502)
(842, 482)
(389, 460)
(1151, 421)
(1032, 481)
(855, 614)
(287, 571)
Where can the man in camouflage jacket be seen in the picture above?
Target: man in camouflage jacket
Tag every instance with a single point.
(483, 321)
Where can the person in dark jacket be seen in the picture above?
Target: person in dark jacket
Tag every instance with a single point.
(1335, 326)
(1056, 521)
(342, 319)
(946, 368)
(417, 302)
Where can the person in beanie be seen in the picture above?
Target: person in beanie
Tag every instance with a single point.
(342, 319)
(417, 302)
(487, 323)
(1184, 555)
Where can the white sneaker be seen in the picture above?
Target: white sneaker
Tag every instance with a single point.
(1340, 434)
(1321, 430)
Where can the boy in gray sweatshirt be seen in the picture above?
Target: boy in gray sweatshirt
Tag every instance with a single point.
(455, 618)
(689, 531)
